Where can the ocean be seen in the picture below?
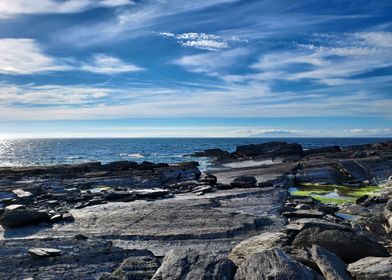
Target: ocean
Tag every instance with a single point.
(25, 152)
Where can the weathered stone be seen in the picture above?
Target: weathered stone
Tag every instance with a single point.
(141, 266)
(371, 268)
(244, 182)
(332, 267)
(194, 265)
(258, 243)
(345, 243)
(272, 264)
(18, 216)
(208, 178)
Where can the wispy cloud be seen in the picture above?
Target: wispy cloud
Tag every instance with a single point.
(10, 8)
(212, 63)
(198, 40)
(108, 65)
(25, 56)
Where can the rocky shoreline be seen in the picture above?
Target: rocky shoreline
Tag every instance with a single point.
(125, 220)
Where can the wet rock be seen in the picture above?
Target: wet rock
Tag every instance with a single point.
(371, 268)
(332, 267)
(192, 264)
(19, 215)
(258, 243)
(244, 182)
(344, 242)
(272, 264)
(44, 252)
(361, 199)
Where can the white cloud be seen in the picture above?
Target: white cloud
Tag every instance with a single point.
(379, 39)
(211, 63)
(24, 56)
(198, 40)
(10, 8)
(105, 64)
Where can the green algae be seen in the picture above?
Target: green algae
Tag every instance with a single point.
(335, 194)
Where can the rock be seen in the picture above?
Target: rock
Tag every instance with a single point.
(44, 252)
(302, 255)
(388, 212)
(303, 214)
(194, 265)
(302, 207)
(327, 209)
(68, 217)
(272, 264)
(332, 267)
(323, 150)
(371, 268)
(80, 237)
(119, 165)
(270, 149)
(244, 182)
(56, 218)
(344, 242)
(22, 194)
(218, 154)
(361, 199)
(137, 267)
(258, 243)
(18, 216)
(208, 178)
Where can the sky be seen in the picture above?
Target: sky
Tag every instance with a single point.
(200, 68)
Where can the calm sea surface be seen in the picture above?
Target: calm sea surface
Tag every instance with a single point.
(23, 152)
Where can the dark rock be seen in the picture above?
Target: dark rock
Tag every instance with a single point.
(119, 165)
(388, 212)
(213, 153)
(332, 267)
(56, 218)
(361, 199)
(244, 182)
(270, 149)
(258, 243)
(68, 217)
(302, 255)
(327, 209)
(323, 150)
(192, 264)
(208, 178)
(371, 268)
(344, 242)
(44, 252)
(80, 237)
(18, 216)
(303, 214)
(272, 264)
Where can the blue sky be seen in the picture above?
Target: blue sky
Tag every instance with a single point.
(213, 68)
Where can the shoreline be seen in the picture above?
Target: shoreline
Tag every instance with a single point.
(122, 212)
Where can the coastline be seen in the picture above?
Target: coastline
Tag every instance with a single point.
(158, 207)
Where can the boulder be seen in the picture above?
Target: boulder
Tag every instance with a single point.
(302, 255)
(303, 214)
(18, 216)
(208, 178)
(272, 264)
(190, 264)
(119, 165)
(331, 266)
(371, 268)
(258, 243)
(244, 182)
(344, 242)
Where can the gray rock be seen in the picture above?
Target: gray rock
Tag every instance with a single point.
(140, 266)
(302, 255)
(244, 182)
(303, 214)
(258, 243)
(193, 265)
(344, 242)
(371, 268)
(272, 264)
(332, 267)
(18, 216)
(44, 252)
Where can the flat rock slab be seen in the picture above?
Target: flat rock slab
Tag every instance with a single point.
(44, 252)
(371, 268)
(224, 216)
